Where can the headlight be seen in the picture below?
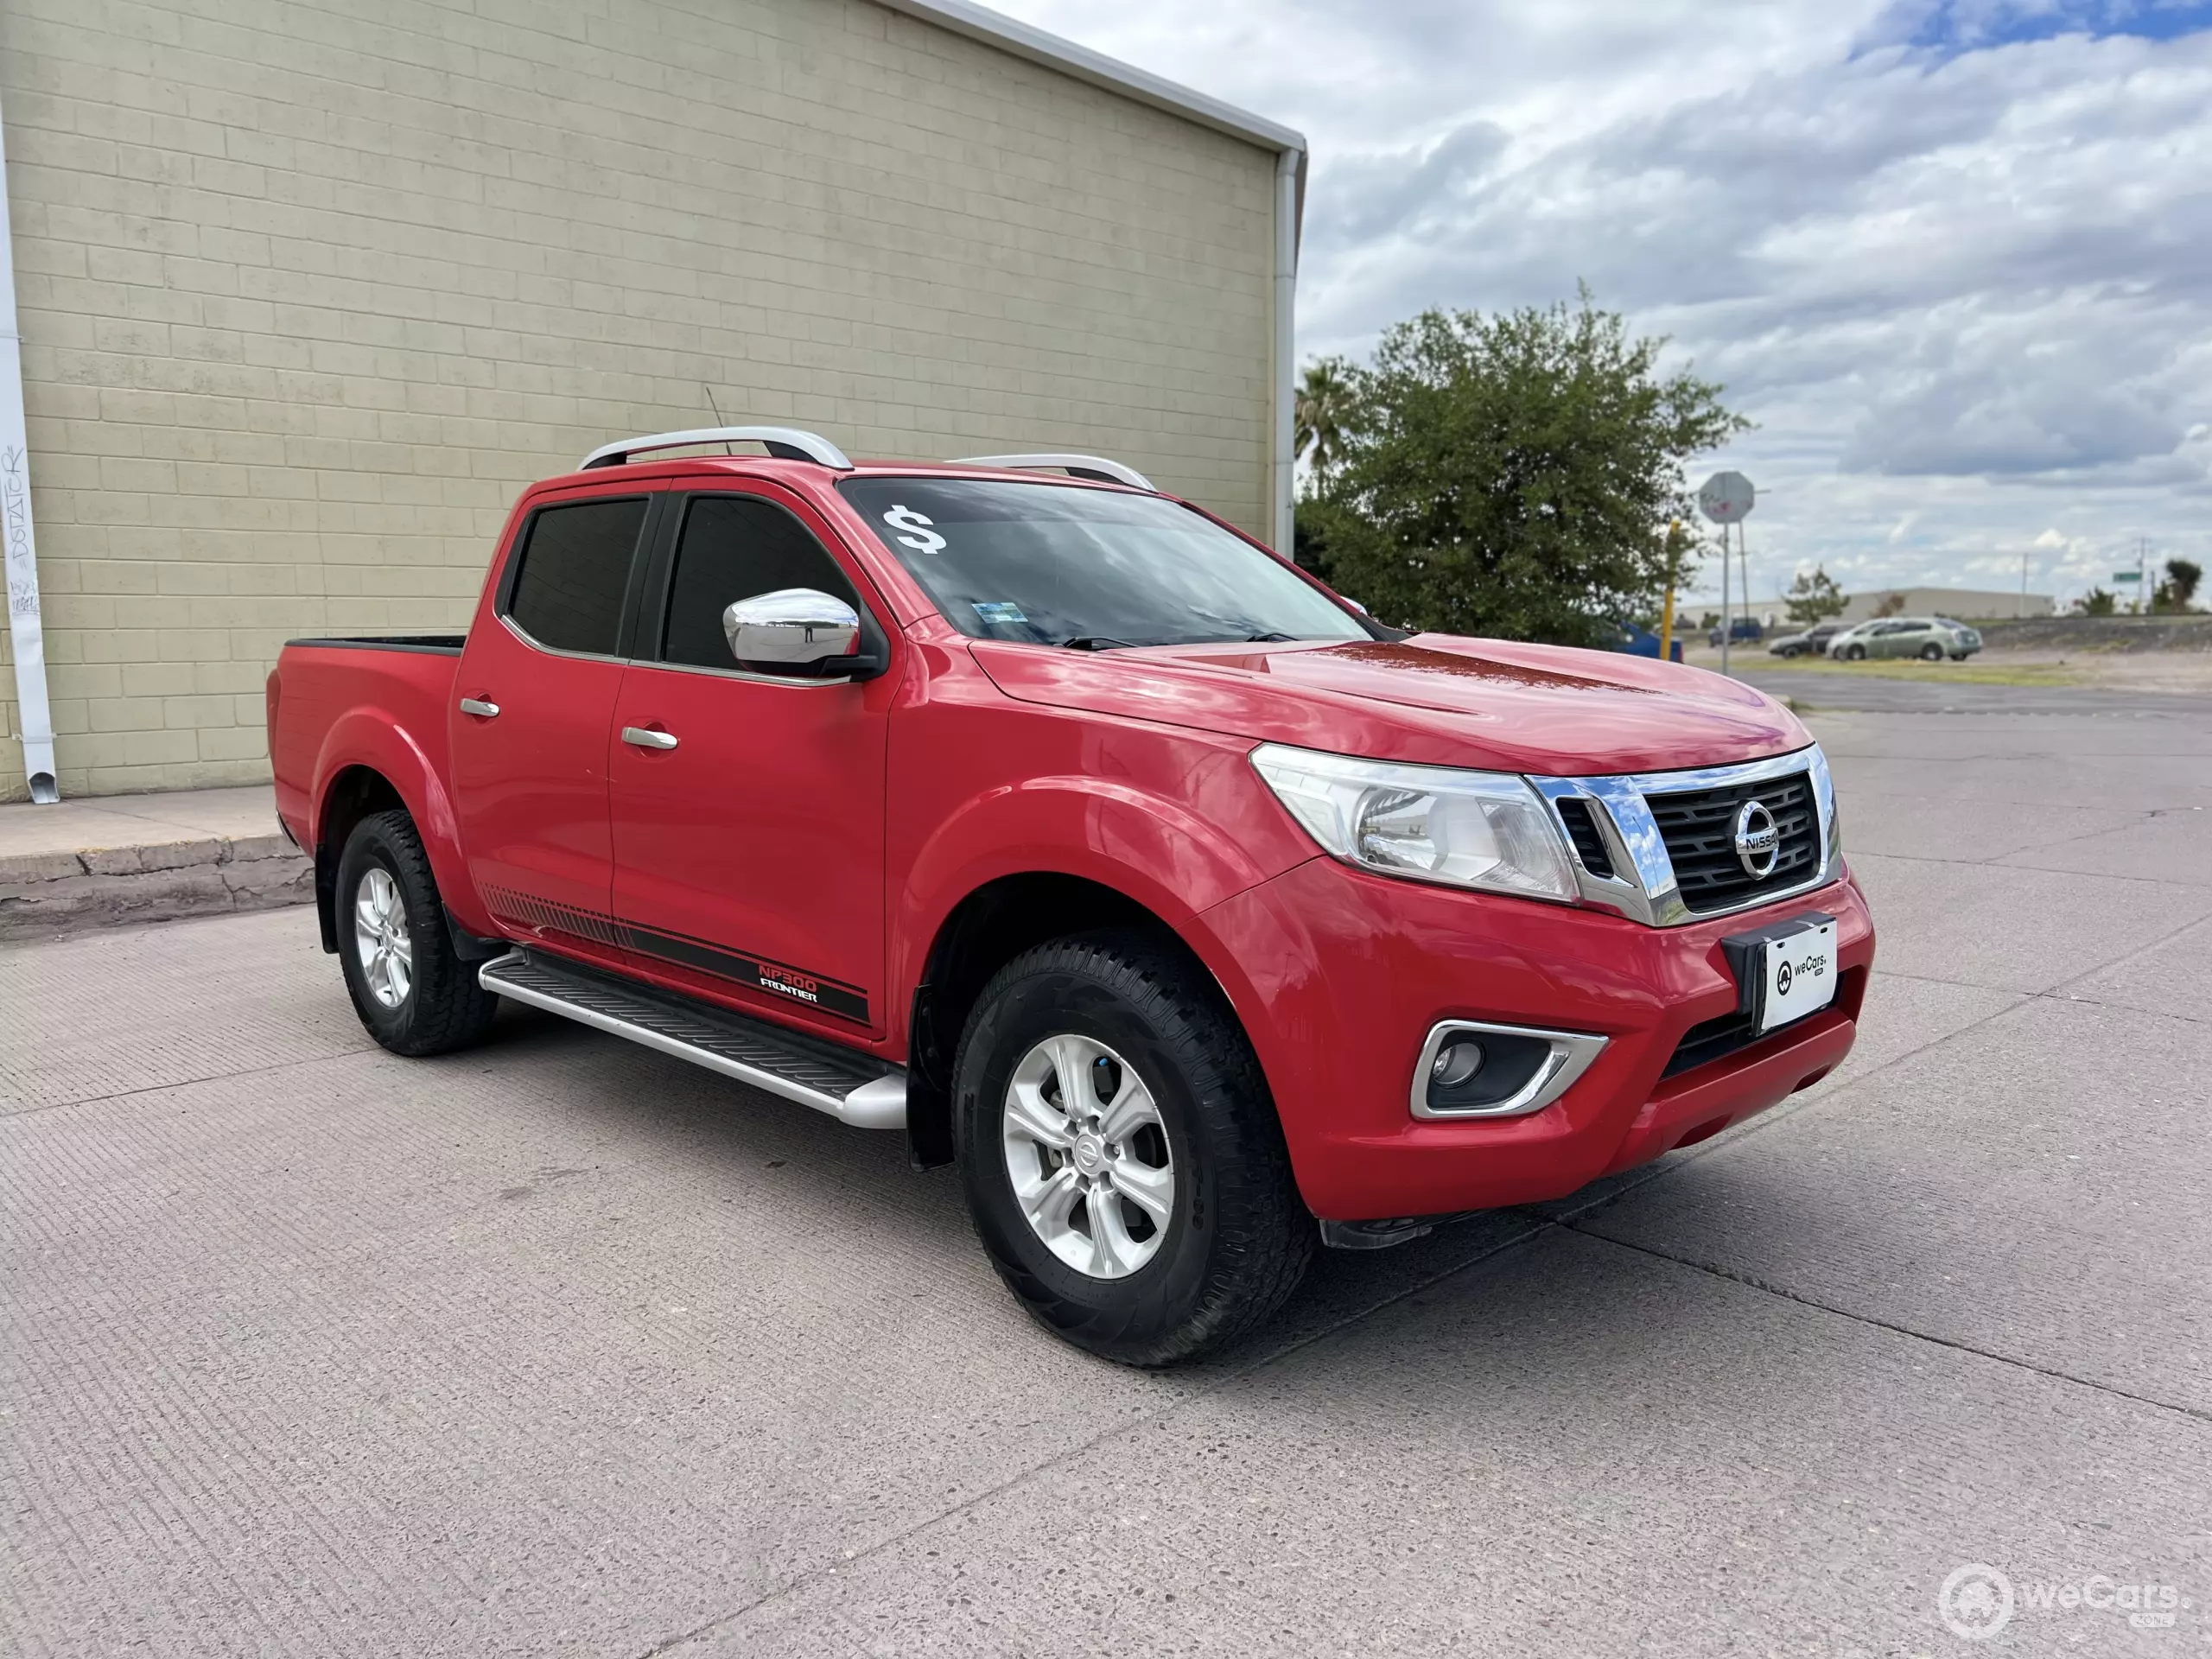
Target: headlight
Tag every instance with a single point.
(1485, 830)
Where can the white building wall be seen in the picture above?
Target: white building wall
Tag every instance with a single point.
(310, 290)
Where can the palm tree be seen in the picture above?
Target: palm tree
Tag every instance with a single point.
(1324, 401)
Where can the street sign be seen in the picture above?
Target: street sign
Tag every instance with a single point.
(1727, 497)
(2127, 576)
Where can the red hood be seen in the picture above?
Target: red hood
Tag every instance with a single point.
(1434, 699)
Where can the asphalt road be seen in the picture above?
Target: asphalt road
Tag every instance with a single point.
(1869, 693)
(559, 1347)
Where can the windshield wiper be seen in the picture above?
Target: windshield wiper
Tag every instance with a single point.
(1096, 642)
(1270, 638)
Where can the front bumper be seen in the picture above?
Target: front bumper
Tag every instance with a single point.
(1340, 975)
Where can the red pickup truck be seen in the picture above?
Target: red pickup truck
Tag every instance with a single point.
(1116, 860)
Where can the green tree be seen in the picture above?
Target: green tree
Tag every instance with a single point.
(1813, 597)
(2179, 587)
(1511, 474)
(2097, 602)
(1324, 395)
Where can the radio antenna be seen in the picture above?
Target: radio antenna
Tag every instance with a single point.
(716, 408)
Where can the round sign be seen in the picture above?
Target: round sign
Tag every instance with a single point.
(1727, 497)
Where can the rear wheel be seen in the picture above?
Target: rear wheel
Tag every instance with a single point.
(1123, 1163)
(1932, 653)
(412, 990)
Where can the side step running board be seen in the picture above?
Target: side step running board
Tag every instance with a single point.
(852, 1088)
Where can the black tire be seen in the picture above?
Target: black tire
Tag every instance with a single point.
(1238, 1238)
(442, 1007)
(1854, 653)
(1932, 653)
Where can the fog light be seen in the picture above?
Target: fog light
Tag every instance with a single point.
(1469, 1068)
(1456, 1062)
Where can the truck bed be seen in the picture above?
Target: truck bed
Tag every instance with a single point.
(390, 692)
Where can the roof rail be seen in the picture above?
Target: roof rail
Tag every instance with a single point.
(1092, 466)
(784, 443)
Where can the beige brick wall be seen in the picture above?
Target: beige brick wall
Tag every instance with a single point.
(309, 291)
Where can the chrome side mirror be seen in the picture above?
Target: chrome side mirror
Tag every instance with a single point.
(794, 630)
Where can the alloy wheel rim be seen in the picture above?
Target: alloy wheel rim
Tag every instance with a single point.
(1087, 1154)
(380, 938)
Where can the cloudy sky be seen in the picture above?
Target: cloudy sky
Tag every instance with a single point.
(1955, 256)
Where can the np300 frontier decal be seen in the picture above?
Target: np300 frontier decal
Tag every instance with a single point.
(755, 973)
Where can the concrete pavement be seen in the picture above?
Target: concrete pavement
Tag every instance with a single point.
(560, 1347)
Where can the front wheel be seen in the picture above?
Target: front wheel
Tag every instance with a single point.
(1123, 1162)
(1854, 653)
(1932, 653)
(412, 990)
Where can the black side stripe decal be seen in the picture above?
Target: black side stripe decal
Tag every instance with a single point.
(755, 973)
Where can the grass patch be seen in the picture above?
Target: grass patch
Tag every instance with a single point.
(1946, 673)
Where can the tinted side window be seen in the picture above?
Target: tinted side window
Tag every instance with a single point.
(734, 547)
(568, 593)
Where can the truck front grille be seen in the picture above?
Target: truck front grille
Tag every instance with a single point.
(1660, 847)
(1699, 828)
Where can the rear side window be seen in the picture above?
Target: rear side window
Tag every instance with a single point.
(732, 548)
(576, 566)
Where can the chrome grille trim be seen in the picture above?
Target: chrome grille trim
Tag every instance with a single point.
(1643, 887)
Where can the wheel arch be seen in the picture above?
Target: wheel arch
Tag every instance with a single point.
(370, 764)
(989, 927)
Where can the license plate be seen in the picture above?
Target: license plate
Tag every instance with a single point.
(1797, 974)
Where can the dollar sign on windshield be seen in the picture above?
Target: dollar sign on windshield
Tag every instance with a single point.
(922, 540)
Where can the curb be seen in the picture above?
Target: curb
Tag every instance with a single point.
(45, 895)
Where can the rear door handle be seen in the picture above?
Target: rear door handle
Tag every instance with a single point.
(645, 740)
(478, 706)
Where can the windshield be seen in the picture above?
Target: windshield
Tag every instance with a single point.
(1057, 564)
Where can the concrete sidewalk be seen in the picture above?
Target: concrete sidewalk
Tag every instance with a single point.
(144, 858)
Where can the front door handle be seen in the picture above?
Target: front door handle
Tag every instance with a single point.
(648, 739)
(478, 706)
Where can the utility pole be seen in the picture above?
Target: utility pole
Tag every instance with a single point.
(1726, 498)
(1727, 616)
(1743, 569)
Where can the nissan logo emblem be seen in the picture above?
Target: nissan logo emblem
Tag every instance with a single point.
(1758, 843)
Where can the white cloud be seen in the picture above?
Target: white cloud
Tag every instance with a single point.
(1955, 256)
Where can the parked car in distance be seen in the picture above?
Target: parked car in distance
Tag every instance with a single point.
(1965, 640)
(1010, 804)
(1811, 642)
(1642, 642)
(1744, 631)
(1842, 637)
(1930, 638)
